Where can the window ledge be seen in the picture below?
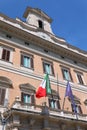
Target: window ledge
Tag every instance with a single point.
(27, 69)
(6, 62)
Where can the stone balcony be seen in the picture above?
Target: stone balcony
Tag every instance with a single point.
(18, 105)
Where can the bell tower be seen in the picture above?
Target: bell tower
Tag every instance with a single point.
(37, 19)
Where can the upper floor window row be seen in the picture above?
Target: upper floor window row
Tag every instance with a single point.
(28, 62)
(67, 75)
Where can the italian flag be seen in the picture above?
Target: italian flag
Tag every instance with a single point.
(44, 87)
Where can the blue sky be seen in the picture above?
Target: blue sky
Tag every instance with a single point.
(69, 17)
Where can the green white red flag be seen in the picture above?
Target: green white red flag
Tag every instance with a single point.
(44, 87)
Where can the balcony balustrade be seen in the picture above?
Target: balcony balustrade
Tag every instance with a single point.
(18, 105)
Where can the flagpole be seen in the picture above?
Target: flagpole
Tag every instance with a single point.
(63, 104)
(57, 86)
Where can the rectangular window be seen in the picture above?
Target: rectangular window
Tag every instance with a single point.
(5, 55)
(27, 98)
(66, 74)
(27, 61)
(78, 108)
(48, 68)
(2, 96)
(54, 104)
(80, 80)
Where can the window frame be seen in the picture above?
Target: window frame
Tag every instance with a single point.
(5, 55)
(80, 78)
(31, 95)
(31, 66)
(69, 74)
(28, 89)
(3, 58)
(78, 108)
(44, 62)
(55, 106)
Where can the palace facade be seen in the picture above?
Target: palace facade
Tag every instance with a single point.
(28, 51)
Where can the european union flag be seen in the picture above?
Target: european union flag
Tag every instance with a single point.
(69, 91)
(70, 95)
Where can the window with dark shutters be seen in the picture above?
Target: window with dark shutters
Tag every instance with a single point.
(5, 54)
(79, 76)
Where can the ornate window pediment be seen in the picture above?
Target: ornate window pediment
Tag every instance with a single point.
(5, 82)
(27, 87)
(55, 94)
